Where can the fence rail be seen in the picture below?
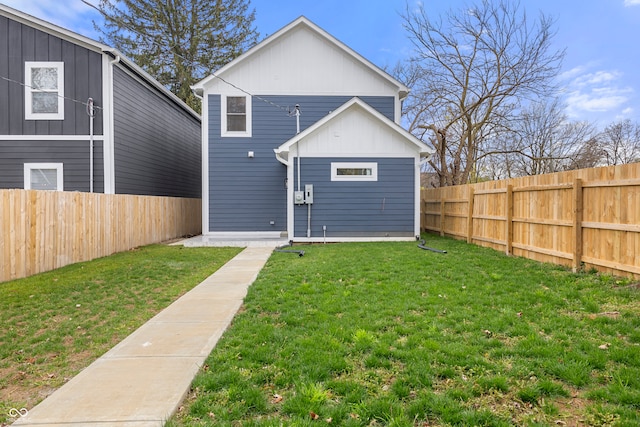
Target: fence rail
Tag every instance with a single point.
(44, 230)
(588, 218)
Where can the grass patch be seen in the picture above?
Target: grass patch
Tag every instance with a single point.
(386, 334)
(56, 323)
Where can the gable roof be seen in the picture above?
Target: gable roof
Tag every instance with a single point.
(282, 152)
(302, 22)
(93, 45)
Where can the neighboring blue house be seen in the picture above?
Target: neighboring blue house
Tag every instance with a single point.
(145, 140)
(351, 173)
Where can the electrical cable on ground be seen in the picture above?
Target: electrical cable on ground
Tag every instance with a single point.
(288, 245)
(422, 246)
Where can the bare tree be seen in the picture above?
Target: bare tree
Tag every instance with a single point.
(546, 141)
(621, 143)
(471, 70)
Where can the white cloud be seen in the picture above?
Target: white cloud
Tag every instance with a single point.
(594, 102)
(597, 78)
(631, 2)
(590, 91)
(572, 73)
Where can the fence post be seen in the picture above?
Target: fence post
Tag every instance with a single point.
(577, 224)
(441, 214)
(470, 215)
(509, 223)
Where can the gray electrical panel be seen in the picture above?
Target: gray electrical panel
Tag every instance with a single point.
(308, 194)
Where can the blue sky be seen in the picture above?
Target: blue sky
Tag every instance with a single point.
(600, 74)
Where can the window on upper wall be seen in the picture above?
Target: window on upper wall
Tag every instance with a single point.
(354, 171)
(44, 90)
(236, 116)
(43, 176)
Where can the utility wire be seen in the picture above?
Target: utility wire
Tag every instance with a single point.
(86, 104)
(199, 65)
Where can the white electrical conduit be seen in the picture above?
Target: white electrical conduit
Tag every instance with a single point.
(92, 113)
(308, 220)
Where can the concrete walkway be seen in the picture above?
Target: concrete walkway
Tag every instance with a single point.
(141, 381)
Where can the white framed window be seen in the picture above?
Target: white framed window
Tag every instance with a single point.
(236, 116)
(44, 90)
(354, 171)
(43, 176)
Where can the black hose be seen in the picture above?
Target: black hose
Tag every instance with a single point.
(288, 245)
(422, 246)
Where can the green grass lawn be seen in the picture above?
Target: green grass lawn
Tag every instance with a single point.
(56, 323)
(388, 334)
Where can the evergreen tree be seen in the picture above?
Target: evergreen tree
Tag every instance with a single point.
(178, 42)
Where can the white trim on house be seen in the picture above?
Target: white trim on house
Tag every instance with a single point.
(31, 89)
(108, 146)
(205, 168)
(30, 167)
(79, 138)
(346, 239)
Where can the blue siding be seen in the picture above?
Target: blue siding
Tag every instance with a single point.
(248, 194)
(376, 208)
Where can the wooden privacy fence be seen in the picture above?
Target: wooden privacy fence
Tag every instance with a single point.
(44, 230)
(585, 218)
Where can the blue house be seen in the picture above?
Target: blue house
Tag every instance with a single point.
(301, 139)
(137, 139)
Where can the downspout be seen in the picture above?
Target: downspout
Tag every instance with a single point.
(110, 58)
(297, 114)
(204, 160)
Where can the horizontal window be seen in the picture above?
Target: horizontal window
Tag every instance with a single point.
(354, 171)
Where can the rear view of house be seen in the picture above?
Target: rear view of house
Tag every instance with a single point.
(75, 115)
(301, 138)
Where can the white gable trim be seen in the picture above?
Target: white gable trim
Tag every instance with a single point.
(301, 21)
(282, 152)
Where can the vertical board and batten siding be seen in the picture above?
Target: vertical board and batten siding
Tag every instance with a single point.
(382, 208)
(303, 61)
(82, 79)
(588, 218)
(157, 144)
(247, 194)
(44, 230)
